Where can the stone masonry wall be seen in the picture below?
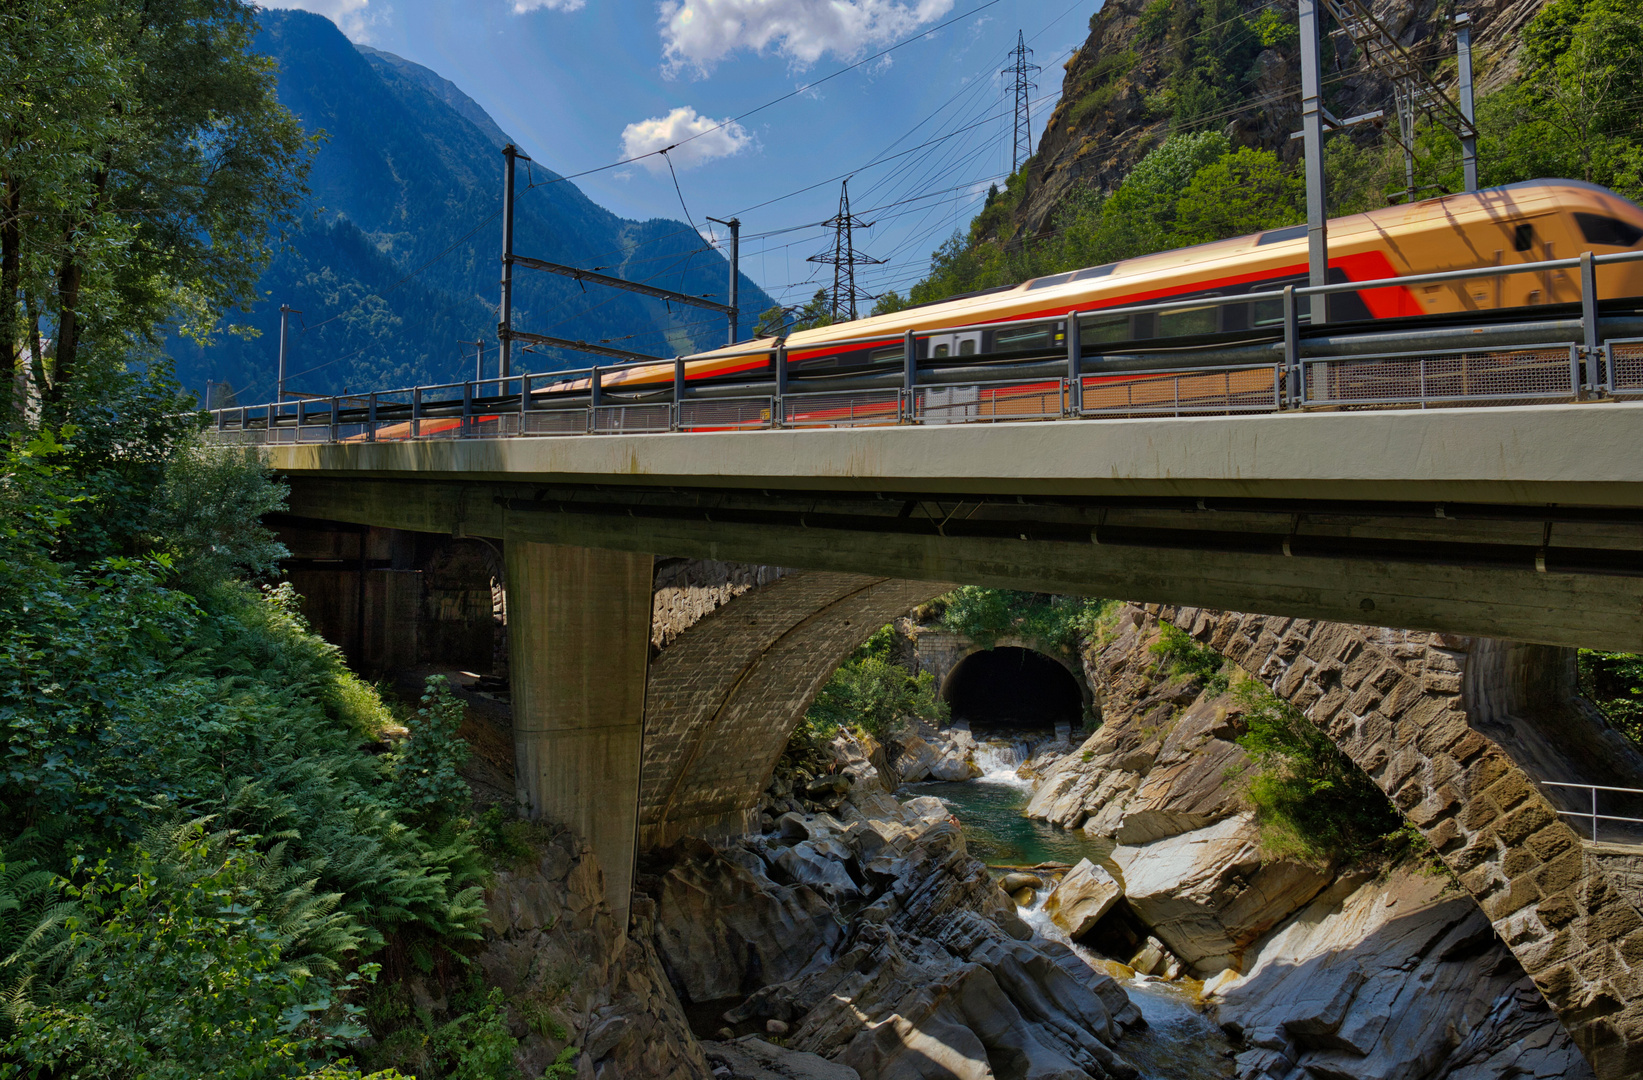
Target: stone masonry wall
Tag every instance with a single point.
(726, 693)
(1393, 701)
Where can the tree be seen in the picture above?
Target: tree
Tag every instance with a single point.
(151, 183)
(817, 311)
(1238, 194)
(1139, 218)
(889, 302)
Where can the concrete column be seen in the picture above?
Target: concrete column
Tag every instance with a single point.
(578, 649)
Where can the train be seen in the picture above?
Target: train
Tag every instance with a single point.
(1526, 222)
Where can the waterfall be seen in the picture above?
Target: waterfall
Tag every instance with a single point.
(999, 760)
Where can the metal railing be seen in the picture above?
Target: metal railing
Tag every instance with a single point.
(1594, 817)
(595, 401)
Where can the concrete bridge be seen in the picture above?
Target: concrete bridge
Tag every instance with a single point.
(1426, 531)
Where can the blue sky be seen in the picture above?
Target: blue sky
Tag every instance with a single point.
(585, 83)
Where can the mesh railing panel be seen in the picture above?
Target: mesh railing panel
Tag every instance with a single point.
(1207, 392)
(988, 403)
(1421, 378)
(556, 422)
(725, 413)
(846, 409)
(632, 419)
(1625, 367)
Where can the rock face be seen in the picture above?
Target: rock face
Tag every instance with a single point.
(1112, 108)
(1389, 979)
(553, 949)
(934, 974)
(1208, 894)
(752, 1058)
(1342, 978)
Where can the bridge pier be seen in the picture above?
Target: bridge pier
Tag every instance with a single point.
(579, 624)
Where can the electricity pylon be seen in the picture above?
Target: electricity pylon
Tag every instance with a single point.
(1021, 70)
(844, 257)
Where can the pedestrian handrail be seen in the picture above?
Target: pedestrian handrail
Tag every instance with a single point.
(1296, 378)
(1594, 816)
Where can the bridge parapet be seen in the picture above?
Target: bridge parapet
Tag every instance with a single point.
(1395, 702)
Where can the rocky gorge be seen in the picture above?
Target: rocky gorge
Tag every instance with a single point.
(874, 926)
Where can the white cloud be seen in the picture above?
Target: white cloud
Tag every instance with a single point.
(351, 16)
(520, 7)
(700, 33)
(660, 132)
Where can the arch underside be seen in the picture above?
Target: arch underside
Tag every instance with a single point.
(725, 695)
(1410, 709)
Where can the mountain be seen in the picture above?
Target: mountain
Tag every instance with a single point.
(1153, 67)
(396, 261)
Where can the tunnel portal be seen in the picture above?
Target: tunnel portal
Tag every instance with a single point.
(1010, 686)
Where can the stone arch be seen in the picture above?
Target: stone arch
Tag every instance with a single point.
(940, 652)
(724, 696)
(1397, 703)
(950, 681)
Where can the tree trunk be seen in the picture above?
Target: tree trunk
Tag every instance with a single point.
(11, 274)
(68, 324)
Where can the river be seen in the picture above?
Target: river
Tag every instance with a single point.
(1179, 1042)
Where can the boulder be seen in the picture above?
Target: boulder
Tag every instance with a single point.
(1208, 895)
(1018, 880)
(723, 930)
(955, 765)
(751, 1058)
(910, 757)
(926, 808)
(820, 864)
(1082, 897)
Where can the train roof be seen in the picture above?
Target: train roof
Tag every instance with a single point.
(1523, 199)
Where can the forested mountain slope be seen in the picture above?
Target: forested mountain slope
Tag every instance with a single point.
(410, 167)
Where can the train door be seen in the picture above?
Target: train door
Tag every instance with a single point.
(963, 343)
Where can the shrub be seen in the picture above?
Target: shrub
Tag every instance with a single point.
(1179, 655)
(1614, 683)
(425, 783)
(871, 693)
(986, 615)
(1311, 801)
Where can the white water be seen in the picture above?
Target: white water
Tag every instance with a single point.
(999, 760)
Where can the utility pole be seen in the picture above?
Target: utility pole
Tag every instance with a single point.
(286, 312)
(1414, 91)
(504, 326)
(479, 357)
(844, 257)
(735, 227)
(1021, 69)
(1312, 135)
(1469, 131)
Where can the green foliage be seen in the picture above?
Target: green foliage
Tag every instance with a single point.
(1239, 193)
(1311, 801)
(563, 1065)
(1180, 655)
(1275, 29)
(890, 302)
(1614, 683)
(985, 615)
(151, 186)
(425, 784)
(1155, 20)
(209, 511)
(196, 958)
(872, 693)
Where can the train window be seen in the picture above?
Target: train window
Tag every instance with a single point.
(891, 355)
(1183, 322)
(967, 347)
(942, 350)
(1611, 232)
(1523, 237)
(1278, 236)
(1266, 312)
(1027, 337)
(1095, 328)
